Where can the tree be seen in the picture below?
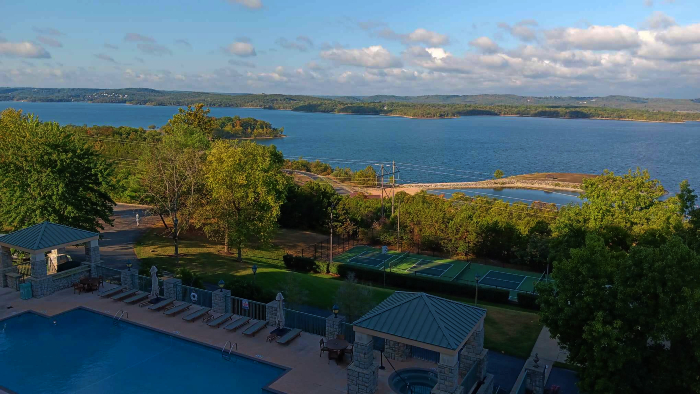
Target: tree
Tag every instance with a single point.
(352, 299)
(195, 117)
(49, 174)
(246, 188)
(498, 174)
(172, 175)
(628, 319)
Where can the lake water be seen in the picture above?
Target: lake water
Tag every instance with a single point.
(444, 150)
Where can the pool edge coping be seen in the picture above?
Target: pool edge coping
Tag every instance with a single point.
(265, 389)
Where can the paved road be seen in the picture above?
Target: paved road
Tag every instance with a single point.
(339, 187)
(117, 243)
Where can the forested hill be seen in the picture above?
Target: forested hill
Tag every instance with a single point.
(611, 107)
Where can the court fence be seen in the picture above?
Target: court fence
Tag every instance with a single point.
(322, 250)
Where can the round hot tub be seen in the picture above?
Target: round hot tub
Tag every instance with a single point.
(413, 380)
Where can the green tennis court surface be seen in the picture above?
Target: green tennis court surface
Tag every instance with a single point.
(441, 268)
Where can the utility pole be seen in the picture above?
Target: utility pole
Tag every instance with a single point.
(331, 250)
(382, 189)
(393, 185)
(177, 251)
(398, 228)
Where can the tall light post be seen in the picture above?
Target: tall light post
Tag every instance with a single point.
(476, 293)
(255, 269)
(331, 249)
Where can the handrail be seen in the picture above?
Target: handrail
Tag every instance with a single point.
(118, 316)
(228, 345)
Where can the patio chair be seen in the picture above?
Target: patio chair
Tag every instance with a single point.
(161, 304)
(136, 298)
(322, 343)
(175, 309)
(237, 323)
(289, 337)
(79, 287)
(255, 328)
(196, 314)
(220, 320)
(124, 295)
(111, 292)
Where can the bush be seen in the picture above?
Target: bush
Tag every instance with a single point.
(299, 264)
(423, 284)
(188, 278)
(529, 301)
(248, 289)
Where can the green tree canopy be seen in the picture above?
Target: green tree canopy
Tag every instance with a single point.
(50, 174)
(630, 320)
(498, 174)
(195, 117)
(246, 188)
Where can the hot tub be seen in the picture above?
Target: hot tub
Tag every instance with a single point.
(413, 380)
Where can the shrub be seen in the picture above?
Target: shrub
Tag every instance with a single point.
(188, 277)
(300, 264)
(248, 289)
(528, 300)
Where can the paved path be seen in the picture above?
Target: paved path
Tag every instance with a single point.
(117, 243)
(548, 348)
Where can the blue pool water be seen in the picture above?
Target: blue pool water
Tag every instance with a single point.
(83, 352)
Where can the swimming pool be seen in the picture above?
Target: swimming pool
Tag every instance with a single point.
(84, 352)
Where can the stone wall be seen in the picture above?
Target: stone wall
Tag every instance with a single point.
(362, 373)
(5, 277)
(38, 266)
(334, 326)
(397, 351)
(92, 251)
(472, 352)
(271, 313)
(448, 375)
(67, 278)
(172, 288)
(129, 279)
(12, 279)
(219, 299)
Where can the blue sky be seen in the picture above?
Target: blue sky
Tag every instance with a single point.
(629, 47)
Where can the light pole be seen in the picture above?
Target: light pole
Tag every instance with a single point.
(255, 269)
(331, 250)
(476, 293)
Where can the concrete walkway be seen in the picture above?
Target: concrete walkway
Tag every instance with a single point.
(548, 349)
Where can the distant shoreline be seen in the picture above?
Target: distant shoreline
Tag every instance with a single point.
(388, 115)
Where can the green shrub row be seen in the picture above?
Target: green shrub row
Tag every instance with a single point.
(424, 284)
(529, 301)
(325, 267)
(299, 264)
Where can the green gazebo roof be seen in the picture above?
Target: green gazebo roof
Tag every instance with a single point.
(46, 236)
(423, 318)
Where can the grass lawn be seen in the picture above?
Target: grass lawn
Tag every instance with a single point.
(508, 329)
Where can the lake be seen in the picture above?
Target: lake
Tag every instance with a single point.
(444, 150)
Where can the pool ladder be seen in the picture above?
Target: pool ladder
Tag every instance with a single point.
(229, 345)
(118, 316)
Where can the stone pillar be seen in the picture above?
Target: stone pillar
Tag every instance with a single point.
(172, 288)
(92, 251)
(41, 287)
(487, 387)
(448, 375)
(271, 313)
(129, 279)
(219, 300)
(334, 326)
(534, 376)
(362, 373)
(473, 352)
(396, 350)
(38, 265)
(6, 266)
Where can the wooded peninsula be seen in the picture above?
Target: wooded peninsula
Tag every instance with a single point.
(427, 107)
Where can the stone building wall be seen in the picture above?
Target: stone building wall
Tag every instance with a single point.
(398, 351)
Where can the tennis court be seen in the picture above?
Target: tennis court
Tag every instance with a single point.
(503, 280)
(372, 259)
(426, 267)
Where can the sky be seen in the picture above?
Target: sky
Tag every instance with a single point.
(648, 48)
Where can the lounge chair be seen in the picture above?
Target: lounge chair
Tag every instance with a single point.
(136, 298)
(237, 323)
(255, 328)
(177, 309)
(161, 304)
(287, 338)
(111, 292)
(220, 320)
(124, 295)
(196, 314)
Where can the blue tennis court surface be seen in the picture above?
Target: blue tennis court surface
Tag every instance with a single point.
(372, 259)
(503, 280)
(420, 267)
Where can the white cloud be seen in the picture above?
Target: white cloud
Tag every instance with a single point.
(241, 63)
(25, 49)
(301, 44)
(372, 57)
(252, 4)
(659, 21)
(523, 30)
(52, 42)
(485, 44)
(153, 49)
(106, 58)
(594, 38)
(418, 36)
(240, 48)
(427, 37)
(135, 37)
(675, 35)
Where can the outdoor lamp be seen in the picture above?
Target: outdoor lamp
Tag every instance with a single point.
(128, 265)
(221, 284)
(254, 268)
(335, 310)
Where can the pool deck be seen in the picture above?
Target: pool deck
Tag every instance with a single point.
(309, 373)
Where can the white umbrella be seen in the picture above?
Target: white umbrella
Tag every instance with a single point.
(154, 282)
(280, 310)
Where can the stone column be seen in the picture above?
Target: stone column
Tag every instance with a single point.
(473, 352)
(219, 300)
(334, 326)
(6, 266)
(129, 279)
(271, 313)
(92, 251)
(534, 376)
(172, 288)
(38, 265)
(362, 373)
(398, 351)
(448, 375)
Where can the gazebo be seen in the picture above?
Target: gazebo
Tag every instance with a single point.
(40, 240)
(410, 323)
